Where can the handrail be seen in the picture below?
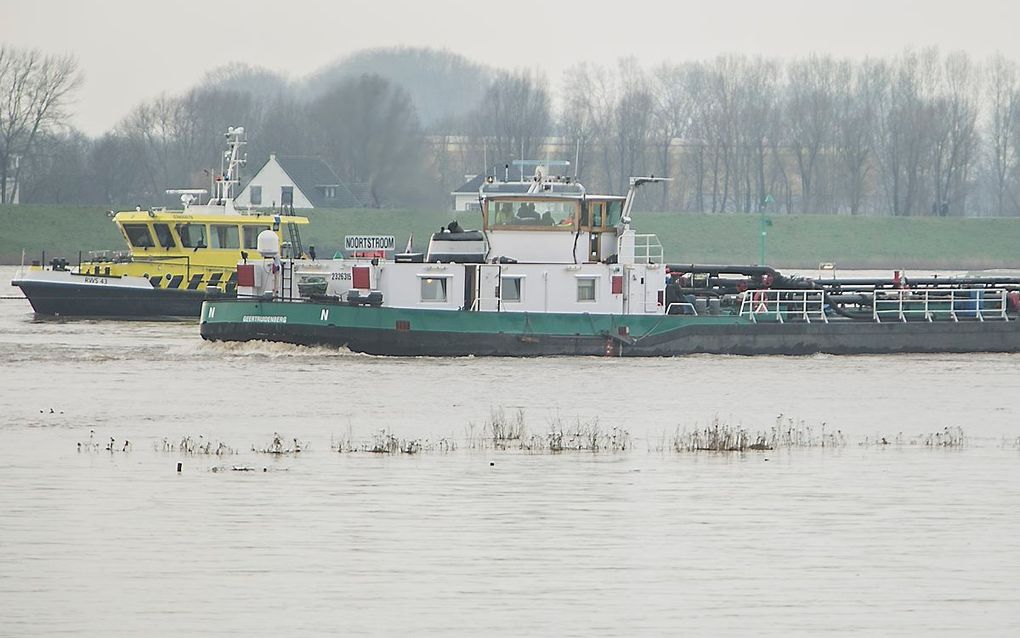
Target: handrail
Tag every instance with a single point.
(682, 305)
(802, 303)
(901, 303)
(647, 249)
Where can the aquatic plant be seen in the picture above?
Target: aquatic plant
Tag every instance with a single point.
(585, 437)
(386, 442)
(191, 445)
(948, 437)
(719, 436)
(506, 432)
(94, 445)
(278, 447)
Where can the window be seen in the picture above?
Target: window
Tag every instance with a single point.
(510, 288)
(255, 195)
(224, 236)
(286, 196)
(138, 235)
(165, 237)
(586, 289)
(251, 235)
(328, 192)
(433, 289)
(533, 213)
(615, 212)
(192, 235)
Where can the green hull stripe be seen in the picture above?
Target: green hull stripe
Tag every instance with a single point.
(518, 323)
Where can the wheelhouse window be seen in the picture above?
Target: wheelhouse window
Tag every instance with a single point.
(255, 195)
(614, 212)
(511, 288)
(192, 235)
(224, 236)
(433, 289)
(138, 235)
(533, 213)
(586, 288)
(164, 236)
(251, 235)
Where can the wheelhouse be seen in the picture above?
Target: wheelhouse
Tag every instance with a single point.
(585, 226)
(169, 233)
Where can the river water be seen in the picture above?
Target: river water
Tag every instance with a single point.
(862, 539)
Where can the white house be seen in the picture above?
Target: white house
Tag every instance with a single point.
(296, 182)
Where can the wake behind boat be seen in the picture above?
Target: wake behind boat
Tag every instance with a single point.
(173, 257)
(554, 270)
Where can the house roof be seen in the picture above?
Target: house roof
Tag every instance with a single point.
(310, 175)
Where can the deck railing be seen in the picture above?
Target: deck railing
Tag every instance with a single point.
(930, 305)
(908, 304)
(647, 249)
(783, 305)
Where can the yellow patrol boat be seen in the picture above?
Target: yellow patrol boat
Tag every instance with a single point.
(174, 258)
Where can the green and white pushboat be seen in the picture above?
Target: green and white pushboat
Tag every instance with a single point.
(554, 270)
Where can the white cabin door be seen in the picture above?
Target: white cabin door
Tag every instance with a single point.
(487, 298)
(635, 285)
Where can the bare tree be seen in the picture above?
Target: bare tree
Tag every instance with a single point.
(675, 94)
(953, 130)
(810, 111)
(514, 115)
(580, 119)
(858, 89)
(368, 129)
(34, 90)
(1003, 93)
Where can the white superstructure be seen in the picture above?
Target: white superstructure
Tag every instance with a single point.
(548, 249)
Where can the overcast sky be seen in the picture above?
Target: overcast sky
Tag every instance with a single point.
(132, 50)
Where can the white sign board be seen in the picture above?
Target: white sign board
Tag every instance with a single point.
(369, 242)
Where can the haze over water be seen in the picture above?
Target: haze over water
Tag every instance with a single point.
(866, 540)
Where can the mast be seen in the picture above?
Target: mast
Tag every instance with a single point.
(233, 160)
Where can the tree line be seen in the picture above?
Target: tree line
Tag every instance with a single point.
(923, 133)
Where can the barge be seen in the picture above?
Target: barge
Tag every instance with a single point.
(554, 270)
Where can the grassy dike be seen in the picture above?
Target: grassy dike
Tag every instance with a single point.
(793, 240)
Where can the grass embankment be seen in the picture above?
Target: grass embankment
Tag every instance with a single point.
(793, 240)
